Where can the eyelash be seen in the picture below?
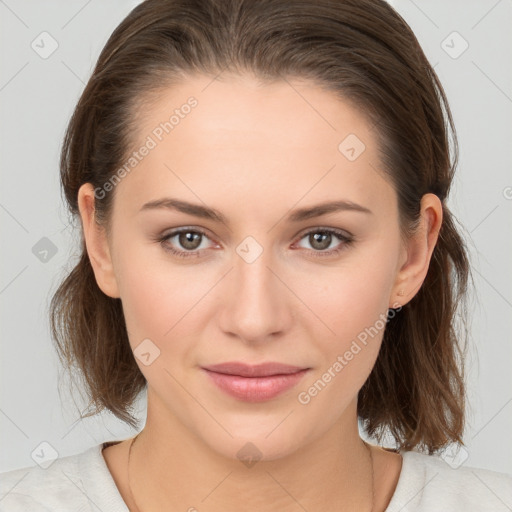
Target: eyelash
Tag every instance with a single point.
(347, 241)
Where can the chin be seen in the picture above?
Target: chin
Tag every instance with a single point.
(250, 444)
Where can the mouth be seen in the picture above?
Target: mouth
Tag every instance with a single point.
(255, 383)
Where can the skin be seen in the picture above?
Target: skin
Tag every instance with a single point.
(255, 153)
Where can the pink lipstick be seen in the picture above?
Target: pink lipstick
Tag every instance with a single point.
(254, 383)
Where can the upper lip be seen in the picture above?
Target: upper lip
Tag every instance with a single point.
(257, 370)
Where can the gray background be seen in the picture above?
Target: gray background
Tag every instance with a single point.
(37, 97)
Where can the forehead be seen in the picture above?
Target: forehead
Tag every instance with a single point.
(242, 137)
(247, 112)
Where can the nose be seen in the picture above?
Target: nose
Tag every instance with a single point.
(256, 303)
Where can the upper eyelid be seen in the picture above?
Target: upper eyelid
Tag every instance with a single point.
(314, 229)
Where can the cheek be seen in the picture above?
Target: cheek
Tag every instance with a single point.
(159, 297)
(354, 307)
(162, 303)
(351, 309)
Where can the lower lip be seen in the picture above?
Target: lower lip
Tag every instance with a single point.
(255, 389)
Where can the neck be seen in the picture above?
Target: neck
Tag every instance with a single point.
(171, 468)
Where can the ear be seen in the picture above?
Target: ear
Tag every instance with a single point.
(97, 243)
(418, 252)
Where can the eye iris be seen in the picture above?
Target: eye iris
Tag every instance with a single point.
(322, 237)
(187, 241)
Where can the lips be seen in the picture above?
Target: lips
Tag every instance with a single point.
(254, 383)
(259, 370)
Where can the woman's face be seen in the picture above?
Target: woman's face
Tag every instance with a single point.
(265, 284)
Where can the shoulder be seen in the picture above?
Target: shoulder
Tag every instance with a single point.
(80, 480)
(428, 483)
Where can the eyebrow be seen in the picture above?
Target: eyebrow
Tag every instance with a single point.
(297, 215)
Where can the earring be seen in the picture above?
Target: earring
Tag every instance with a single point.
(401, 293)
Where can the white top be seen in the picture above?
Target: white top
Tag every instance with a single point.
(83, 482)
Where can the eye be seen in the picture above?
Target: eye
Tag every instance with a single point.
(187, 238)
(190, 241)
(322, 238)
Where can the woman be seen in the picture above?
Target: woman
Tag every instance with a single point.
(268, 252)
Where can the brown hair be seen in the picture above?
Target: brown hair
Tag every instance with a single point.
(366, 53)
